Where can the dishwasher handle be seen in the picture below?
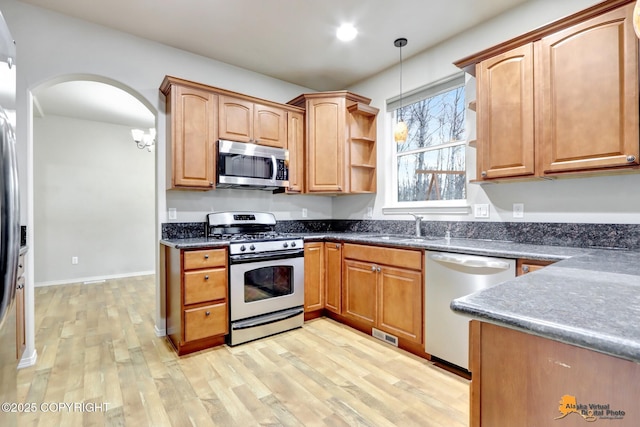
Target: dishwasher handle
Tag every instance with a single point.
(471, 262)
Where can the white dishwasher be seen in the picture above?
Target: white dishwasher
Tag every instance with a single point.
(449, 276)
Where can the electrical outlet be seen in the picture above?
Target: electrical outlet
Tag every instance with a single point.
(74, 260)
(481, 210)
(304, 212)
(173, 213)
(518, 210)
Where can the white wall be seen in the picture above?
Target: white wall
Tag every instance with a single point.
(94, 198)
(607, 199)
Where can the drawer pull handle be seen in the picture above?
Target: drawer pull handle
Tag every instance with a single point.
(207, 313)
(206, 277)
(206, 256)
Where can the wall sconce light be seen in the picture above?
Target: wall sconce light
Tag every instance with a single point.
(400, 131)
(144, 140)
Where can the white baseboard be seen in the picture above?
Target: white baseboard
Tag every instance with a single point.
(94, 279)
(160, 332)
(27, 361)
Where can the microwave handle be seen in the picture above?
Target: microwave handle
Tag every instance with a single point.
(275, 167)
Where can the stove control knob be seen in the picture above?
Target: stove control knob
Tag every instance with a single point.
(285, 245)
(242, 248)
(293, 244)
(252, 247)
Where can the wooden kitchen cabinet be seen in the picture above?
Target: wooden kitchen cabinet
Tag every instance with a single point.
(322, 278)
(524, 266)
(313, 279)
(340, 145)
(520, 379)
(246, 121)
(383, 288)
(198, 115)
(581, 115)
(505, 116)
(192, 127)
(295, 145)
(333, 277)
(589, 95)
(196, 297)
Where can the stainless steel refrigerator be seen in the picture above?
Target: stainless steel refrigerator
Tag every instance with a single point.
(9, 226)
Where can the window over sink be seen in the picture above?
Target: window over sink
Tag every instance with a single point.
(430, 166)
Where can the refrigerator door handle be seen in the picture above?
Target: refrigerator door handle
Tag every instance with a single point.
(9, 208)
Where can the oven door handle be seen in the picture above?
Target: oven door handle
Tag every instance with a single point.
(265, 320)
(244, 258)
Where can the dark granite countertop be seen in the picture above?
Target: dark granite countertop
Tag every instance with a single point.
(589, 297)
(591, 300)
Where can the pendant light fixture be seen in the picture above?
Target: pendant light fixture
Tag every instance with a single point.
(400, 131)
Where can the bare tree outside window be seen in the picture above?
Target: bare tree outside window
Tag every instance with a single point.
(431, 162)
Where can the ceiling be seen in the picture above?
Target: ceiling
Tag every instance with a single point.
(291, 40)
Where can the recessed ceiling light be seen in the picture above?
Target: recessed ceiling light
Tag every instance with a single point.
(346, 32)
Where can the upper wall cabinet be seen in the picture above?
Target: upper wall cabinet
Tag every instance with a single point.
(562, 99)
(192, 127)
(340, 143)
(245, 121)
(199, 115)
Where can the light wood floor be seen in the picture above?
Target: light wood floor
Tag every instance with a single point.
(96, 343)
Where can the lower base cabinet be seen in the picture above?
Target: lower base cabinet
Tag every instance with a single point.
(383, 288)
(196, 284)
(520, 379)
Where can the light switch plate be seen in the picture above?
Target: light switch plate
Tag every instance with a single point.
(481, 210)
(173, 213)
(518, 210)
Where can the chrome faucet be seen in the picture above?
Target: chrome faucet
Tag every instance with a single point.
(418, 224)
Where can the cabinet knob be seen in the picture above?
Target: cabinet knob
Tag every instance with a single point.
(337, 246)
(206, 277)
(373, 268)
(525, 268)
(207, 313)
(378, 269)
(483, 174)
(206, 256)
(631, 158)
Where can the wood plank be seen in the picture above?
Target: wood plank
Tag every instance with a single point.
(103, 348)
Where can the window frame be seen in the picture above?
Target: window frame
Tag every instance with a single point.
(460, 206)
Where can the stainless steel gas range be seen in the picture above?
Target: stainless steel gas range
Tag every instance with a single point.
(266, 274)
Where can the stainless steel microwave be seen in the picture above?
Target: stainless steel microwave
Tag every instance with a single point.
(244, 165)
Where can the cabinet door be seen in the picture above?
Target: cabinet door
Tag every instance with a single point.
(359, 291)
(313, 276)
(194, 132)
(400, 306)
(505, 115)
(326, 120)
(589, 81)
(269, 126)
(236, 119)
(295, 145)
(333, 276)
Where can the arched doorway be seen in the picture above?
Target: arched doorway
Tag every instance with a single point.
(93, 190)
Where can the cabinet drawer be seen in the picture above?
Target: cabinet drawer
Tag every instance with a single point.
(204, 322)
(205, 258)
(386, 256)
(205, 285)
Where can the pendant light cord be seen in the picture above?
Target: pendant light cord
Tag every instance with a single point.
(401, 42)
